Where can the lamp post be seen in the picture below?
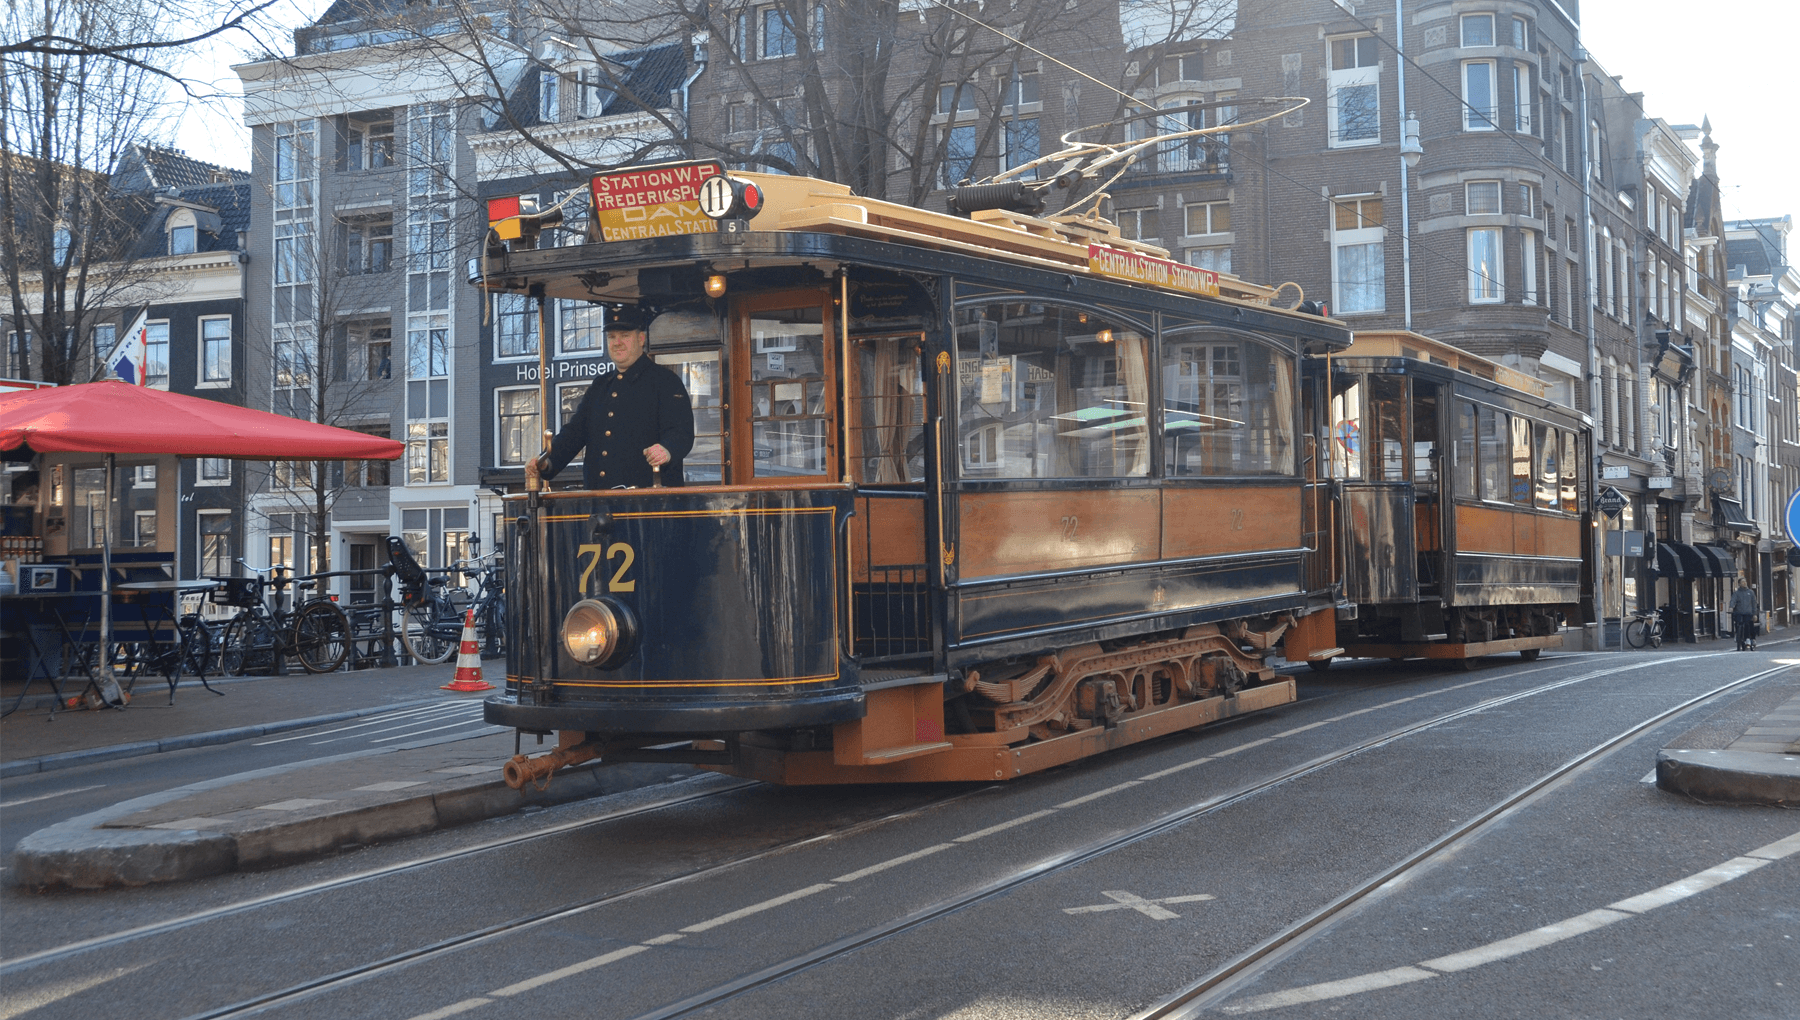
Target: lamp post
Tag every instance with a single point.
(1410, 151)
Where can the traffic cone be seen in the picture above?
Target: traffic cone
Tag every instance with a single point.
(468, 662)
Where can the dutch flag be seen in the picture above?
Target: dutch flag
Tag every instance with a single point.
(126, 361)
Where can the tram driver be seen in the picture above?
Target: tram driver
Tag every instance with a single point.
(635, 421)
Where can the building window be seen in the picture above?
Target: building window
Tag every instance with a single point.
(378, 350)
(1522, 93)
(956, 98)
(1353, 109)
(777, 34)
(1216, 259)
(215, 543)
(181, 240)
(520, 425)
(156, 354)
(1481, 197)
(549, 89)
(1359, 266)
(1609, 297)
(1521, 33)
(1477, 30)
(1208, 218)
(1485, 267)
(368, 245)
(959, 155)
(515, 326)
(1021, 145)
(18, 350)
(1136, 224)
(1479, 105)
(369, 141)
(212, 471)
(580, 327)
(1594, 159)
(428, 400)
(1528, 266)
(215, 351)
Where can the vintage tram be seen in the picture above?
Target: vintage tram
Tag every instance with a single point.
(1463, 496)
(971, 495)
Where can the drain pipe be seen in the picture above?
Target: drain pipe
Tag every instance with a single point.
(687, 121)
(1593, 355)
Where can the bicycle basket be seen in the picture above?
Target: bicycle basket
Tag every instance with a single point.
(242, 592)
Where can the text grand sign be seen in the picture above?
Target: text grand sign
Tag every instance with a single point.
(655, 201)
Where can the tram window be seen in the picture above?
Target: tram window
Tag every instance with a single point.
(1425, 431)
(699, 372)
(789, 405)
(1570, 461)
(1228, 406)
(1549, 447)
(887, 432)
(1521, 461)
(1387, 427)
(1063, 392)
(1493, 454)
(1464, 478)
(1346, 425)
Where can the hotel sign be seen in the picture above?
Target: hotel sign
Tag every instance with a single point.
(653, 201)
(1135, 268)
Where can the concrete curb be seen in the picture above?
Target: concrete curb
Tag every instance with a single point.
(1731, 777)
(70, 759)
(82, 854)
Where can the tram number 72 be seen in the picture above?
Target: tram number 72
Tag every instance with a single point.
(620, 551)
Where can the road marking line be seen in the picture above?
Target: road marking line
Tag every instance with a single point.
(1537, 938)
(47, 796)
(1737, 867)
(757, 908)
(1178, 768)
(453, 1009)
(1003, 826)
(893, 863)
(570, 971)
(1623, 910)
(383, 717)
(1097, 794)
(462, 713)
(414, 733)
(663, 940)
(1128, 901)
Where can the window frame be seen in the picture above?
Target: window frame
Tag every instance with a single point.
(1360, 75)
(1462, 28)
(1473, 117)
(1357, 237)
(201, 341)
(1476, 293)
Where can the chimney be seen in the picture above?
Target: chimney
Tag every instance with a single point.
(1709, 150)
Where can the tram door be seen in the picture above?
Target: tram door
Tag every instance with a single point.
(784, 382)
(889, 568)
(1374, 455)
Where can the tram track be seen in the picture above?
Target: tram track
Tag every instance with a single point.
(1199, 996)
(312, 987)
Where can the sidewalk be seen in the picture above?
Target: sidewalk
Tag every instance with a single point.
(284, 813)
(1748, 752)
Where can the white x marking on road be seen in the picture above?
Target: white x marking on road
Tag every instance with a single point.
(1123, 900)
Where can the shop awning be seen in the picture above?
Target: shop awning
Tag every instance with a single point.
(1668, 562)
(1723, 563)
(1729, 514)
(1694, 563)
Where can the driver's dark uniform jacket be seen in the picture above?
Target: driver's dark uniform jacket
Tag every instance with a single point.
(620, 415)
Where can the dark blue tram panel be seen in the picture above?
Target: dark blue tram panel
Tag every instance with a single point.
(729, 605)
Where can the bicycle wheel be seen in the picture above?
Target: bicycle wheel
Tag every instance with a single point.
(423, 627)
(196, 648)
(492, 622)
(1655, 635)
(321, 637)
(249, 643)
(1638, 633)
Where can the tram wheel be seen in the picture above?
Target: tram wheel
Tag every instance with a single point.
(1463, 665)
(1529, 654)
(1319, 665)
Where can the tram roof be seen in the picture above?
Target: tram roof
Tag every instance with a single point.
(1419, 347)
(1067, 245)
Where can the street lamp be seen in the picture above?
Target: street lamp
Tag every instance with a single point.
(1410, 151)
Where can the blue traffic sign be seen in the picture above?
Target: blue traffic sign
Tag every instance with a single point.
(1792, 517)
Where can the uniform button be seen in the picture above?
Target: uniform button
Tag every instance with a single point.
(615, 393)
(602, 474)
(605, 453)
(609, 432)
(609, 414)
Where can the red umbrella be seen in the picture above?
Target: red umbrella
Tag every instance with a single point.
(116, 417)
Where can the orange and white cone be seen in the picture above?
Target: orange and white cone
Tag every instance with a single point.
(468, 662)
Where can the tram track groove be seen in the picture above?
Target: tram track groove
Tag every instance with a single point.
(1212, 989)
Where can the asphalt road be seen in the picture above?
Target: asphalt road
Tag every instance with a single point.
(1057, 895)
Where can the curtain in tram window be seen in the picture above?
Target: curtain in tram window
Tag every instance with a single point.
(1133, 443)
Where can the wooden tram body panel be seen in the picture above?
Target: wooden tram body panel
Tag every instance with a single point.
(994, 558)
(1464, 501)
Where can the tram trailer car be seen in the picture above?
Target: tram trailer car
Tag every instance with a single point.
(1463, 494)
(970, 497)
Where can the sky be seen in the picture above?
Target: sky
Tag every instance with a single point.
(1737, 68)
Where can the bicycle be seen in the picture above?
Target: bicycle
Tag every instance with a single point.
(315, 631)
(1744, 627)
(430, 626)
(489, 602)
(1644, 629)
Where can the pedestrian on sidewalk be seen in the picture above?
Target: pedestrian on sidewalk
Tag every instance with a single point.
(1743, 615)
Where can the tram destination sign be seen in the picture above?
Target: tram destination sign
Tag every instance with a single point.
(653, 201)
(1137, 268)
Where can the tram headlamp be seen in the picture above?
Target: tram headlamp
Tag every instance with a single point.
(715, 285)
(590, 632)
